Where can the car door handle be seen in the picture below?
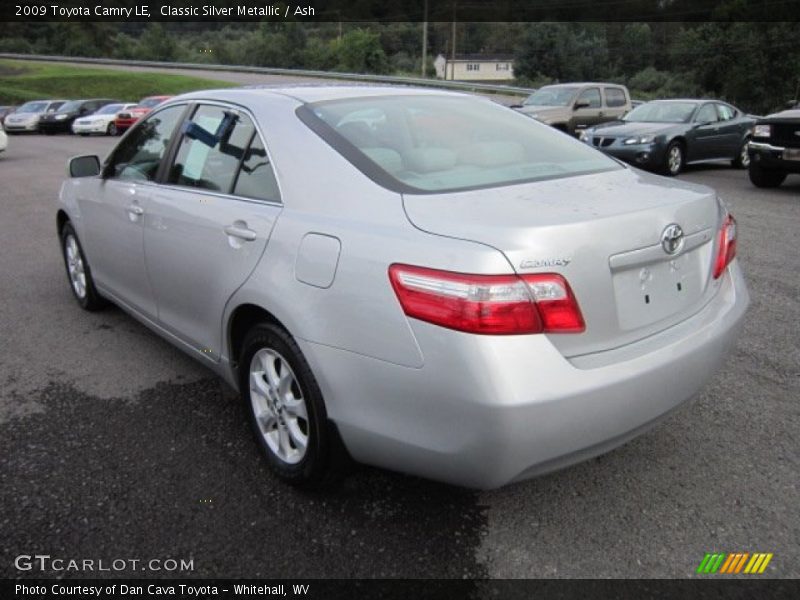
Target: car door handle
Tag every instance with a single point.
(241, 232)
(135, 210)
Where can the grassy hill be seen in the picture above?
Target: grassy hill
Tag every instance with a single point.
(21, 81)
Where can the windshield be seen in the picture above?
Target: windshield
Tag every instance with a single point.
(150, 102)
(421, 143)
(551, 96)
(72, 106)
(32, 107)
(661, 112)
(110, 109)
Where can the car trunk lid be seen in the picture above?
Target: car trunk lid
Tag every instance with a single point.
(603, 233)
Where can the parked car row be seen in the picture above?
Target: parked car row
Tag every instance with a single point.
(666, 135)
(103, 116)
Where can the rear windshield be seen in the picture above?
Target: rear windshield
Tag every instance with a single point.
(419, 144)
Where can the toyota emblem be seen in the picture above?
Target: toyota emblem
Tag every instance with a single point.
(672, 238)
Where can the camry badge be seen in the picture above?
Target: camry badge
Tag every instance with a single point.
(544, 262)
(672, 238)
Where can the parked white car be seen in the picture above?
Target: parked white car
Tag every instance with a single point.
(101, 121)
(3, 139)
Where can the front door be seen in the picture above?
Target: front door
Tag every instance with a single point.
(706, 143)
(114, 215)
(208, 224)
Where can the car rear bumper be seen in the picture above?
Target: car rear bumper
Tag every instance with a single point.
(484, 411)
(770, 156)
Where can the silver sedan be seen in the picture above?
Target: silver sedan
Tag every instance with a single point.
(418, 280)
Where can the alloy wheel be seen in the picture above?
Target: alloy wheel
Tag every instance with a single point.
(279, 406)
(75, 266)
(674, 160)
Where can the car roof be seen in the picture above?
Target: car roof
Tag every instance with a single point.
(583, 84)
(319, 92)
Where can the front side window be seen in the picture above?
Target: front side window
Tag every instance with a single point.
(590, 97)
(707, 114)
(419, 144)
(139, 155)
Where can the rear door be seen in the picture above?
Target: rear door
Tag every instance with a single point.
(209, 222)
(730, 131)
(616, 103)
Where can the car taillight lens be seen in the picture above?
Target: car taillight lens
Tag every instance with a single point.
(726, 247)
(487, 304)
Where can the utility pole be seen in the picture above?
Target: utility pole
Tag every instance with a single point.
(425, 39)
(453, 46)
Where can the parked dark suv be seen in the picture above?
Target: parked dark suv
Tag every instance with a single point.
(62, 119)
(775, 148)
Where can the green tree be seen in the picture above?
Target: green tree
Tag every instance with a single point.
(360, 51)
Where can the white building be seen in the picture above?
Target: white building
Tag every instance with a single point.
(475, 67)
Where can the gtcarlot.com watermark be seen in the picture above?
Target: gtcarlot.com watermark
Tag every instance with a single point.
(47, 563)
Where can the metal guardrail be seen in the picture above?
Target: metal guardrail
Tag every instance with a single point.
(390, 79)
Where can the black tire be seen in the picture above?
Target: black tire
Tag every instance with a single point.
(674, 159)
(111, 129)
(323, 457)
(765, 178)
(90, 300)
(83, 134)
(742, 158)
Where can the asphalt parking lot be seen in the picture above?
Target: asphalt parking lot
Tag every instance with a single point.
(113, 444)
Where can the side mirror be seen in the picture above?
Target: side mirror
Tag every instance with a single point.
(582, 104)
(84, 166)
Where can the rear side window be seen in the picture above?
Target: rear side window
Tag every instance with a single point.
(211, 149)
(726, 113)
(256, 179)
(591, 96)
(430, 143)
(138, 156)
(222, 152)
(614, 97)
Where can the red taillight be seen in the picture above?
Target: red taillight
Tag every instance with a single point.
(487, 304)
(726, 246)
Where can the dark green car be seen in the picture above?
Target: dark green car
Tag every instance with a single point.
(666, 135)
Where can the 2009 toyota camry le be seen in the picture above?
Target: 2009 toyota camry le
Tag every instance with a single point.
(419, 280)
